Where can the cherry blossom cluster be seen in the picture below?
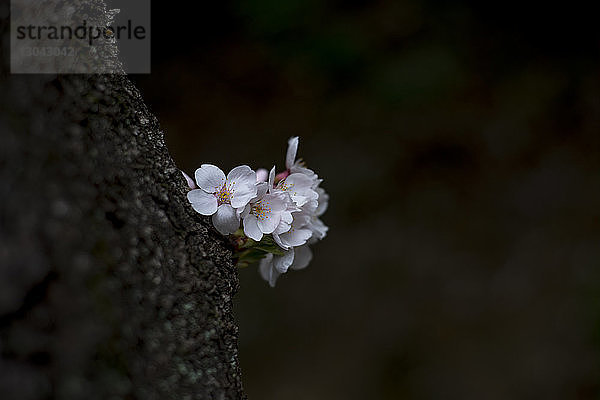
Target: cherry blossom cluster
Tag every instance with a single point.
(272, 218)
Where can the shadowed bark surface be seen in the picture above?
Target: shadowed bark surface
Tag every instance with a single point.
(111, 286)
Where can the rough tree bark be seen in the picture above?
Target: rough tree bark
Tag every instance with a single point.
(111, 286)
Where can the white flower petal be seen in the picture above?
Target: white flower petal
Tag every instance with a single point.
(267, 271)
(242, 175)
(279, 242)
(261, 190)
(278, 202)
(299, 181)
(287, 217)
(299, 187)
(303, 256)
(291, 152)
(209, 178)
(242, 181)
(283, 227)
(282, 263)
(271, 178)
(251, 228)
(226, 219)
(270, 223)
(242, 196)
(300, 220)
(273, 278)
(296, 237)
(202, 202)
(265, 264)
(319, 228)
(296, 168)
(323, 202)
(310, 207)
(243, 212)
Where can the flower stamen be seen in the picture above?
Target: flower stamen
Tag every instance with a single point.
(225, 194)
(261, 210)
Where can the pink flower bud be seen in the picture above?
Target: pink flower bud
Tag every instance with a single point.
(281, 176)
(189, 180)
(262, 175)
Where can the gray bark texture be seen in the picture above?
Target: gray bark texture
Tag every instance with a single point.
(111, 286)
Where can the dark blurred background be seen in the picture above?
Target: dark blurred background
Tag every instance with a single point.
(460, 144)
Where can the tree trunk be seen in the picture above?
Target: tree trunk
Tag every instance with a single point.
(111, 286)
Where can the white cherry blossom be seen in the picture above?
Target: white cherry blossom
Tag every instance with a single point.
(316, 226)
(263, 214)
(318, 229)
(286, 206)
(220, 196)
(302, 184)
(322, 201)
(273, 265)
(299, 187)
(286, 215)
(296, 234)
